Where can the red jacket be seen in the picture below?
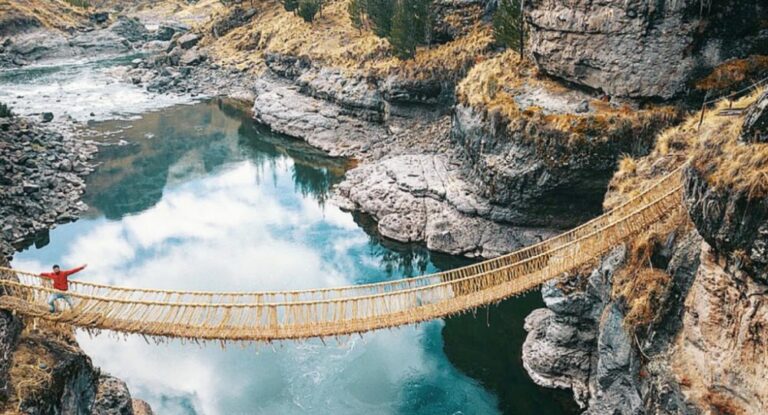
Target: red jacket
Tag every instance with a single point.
(60, 281)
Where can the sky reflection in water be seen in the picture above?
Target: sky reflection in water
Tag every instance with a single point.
(201, 198)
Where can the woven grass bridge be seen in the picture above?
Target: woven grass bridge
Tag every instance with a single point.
(326, 312)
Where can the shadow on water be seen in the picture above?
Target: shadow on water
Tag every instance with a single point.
(487, 346)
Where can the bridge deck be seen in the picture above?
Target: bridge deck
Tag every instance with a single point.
(272, 315)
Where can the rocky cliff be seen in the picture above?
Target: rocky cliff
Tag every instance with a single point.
(681, 329)
(642, 49)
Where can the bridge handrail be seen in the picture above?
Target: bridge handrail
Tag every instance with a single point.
(406, 283)
(10, 283)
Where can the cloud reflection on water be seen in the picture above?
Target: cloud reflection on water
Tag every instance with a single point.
(233, 230)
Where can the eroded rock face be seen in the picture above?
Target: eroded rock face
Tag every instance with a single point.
(755, 127)
(721, 353)
(730, 221)
(560, 350)
(321, 124)
(424, 198)
(637, 48)
(533, 174)
(41, 45)
(10, 328)
(112, 397)
(355, 95)
(580, 341)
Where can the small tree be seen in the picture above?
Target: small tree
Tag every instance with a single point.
(5, 111)
(291, 5)
(410, 27)
(507, 23)
(356, 10)
(380, 13)
(308, 9)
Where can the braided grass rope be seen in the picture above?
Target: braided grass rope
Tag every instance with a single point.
(300, 314)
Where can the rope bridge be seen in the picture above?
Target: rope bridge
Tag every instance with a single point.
(326, 312)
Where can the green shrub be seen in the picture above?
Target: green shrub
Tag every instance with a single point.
(507, 23)
(405, 23)
(308, 9)
(380, 13)
(291, 5)
(410, 27)
(5, 111)
(79, 3)
(356, 10)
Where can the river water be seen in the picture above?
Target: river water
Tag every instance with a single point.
(197, 196)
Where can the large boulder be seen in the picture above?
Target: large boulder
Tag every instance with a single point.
(188, 40)
(112, 397)
(637, 48)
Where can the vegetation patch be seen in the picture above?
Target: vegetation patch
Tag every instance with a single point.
(52, 14)
(734, 74)
(5, 111)
(492, 86)
(33, 362)
(332, 40)
(726, 162)
(640, 286)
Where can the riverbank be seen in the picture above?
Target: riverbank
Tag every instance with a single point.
(43, 180)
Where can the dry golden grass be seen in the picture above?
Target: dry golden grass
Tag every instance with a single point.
(332, 41)
(30, 374)
(733, 72)
(725, 161)
(714, 147)
(715, 150)
(491, 87)
(638, 285)
(52, 14)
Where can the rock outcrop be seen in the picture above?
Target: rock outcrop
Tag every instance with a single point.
(534, 174)
(720, 355)
(755, 127)
(120, 37)
(580, 341)
(424, 198)
(42, 180)
(732, 221)
(641, 49)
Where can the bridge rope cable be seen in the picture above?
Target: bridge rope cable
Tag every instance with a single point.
(266, 316)
(237, 297)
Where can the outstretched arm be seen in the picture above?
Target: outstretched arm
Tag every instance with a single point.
(75, 270)
(46, 275)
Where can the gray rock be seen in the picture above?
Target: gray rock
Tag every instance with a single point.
(47, 117)
(730, 221)
(320, 123)
(583, 107)
(755, 127)
(638, 49)
(423, 198)
(531, 173)
(166, 31)
(192, 57)
(99, 17)
(112, 397)
(188, 40)
(130, 29)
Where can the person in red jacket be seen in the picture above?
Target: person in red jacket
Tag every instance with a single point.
(61, 284)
